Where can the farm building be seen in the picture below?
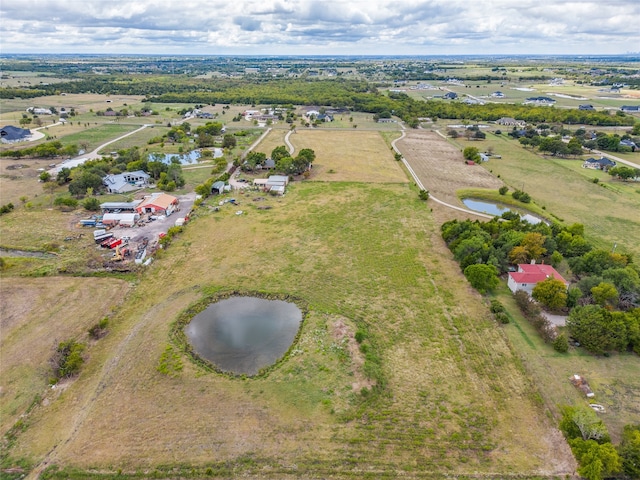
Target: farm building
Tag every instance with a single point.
(11, 134)
(529, 275)
(158, 203)
(122, 219)
(119, 207)
(126, 182)
(217, 187)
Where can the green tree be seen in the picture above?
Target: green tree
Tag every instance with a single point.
(279, 152)
(482, 277)
(597, 461)
(229, 141)
(605, 294)
(423, 195)
(471, 153)
(624, 173)
(92, 204)
(44, 176)
(629, 450)
(597, 330)
(552, 293)
(574, 147)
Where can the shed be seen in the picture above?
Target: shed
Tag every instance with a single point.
(123, 219)
(218, 187)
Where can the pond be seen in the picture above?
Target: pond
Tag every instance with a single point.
(242, 335)
(184, 158)
(497, 209)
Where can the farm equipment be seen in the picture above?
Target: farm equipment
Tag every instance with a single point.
(122, 251)
(111, 243)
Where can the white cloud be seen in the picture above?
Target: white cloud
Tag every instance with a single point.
(320, 27)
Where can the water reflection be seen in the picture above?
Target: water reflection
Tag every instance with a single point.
(244, 334)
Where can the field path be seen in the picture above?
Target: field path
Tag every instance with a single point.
(421, 186)
(106, 376)
(289, 144)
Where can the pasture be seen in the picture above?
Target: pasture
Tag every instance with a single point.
(608, 209)
(351, 156)
(451, 395)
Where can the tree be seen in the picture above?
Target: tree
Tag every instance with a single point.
(229, 141)
(605, 294)
(44, 176)
(624, 173)
(597, 461)
(92, 204)
(597, 330)
(279, 152)
(471, 153)
(533, 242)
(551, 292)
(423, 195)
(482, 277)
(254, 159)
(629, 451)
(574, 146)
(503, 190)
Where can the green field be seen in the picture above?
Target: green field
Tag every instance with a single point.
(608, 210)
(451, 395)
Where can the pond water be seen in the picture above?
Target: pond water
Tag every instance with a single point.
(491, 208)
(184, 158)
(242, 335)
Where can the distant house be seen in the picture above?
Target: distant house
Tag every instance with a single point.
(629, 143)
(540, 100)
(269, 163)
(11, 134)
(630, 108)
(586, 107)
(158, 203)
(313, 113)
(508, 121)
(325, 117)
(39, 111)
(497, 94)
(529, 275)
(602, 163)
(126, 182)
(450, 96)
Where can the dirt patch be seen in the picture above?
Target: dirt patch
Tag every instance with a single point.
(343, 333)
(440, 166)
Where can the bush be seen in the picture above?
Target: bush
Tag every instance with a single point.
(503, 190)
(66, 202)
(99, 330)
(561, 343)
(521, 196)
(6, 208)
(502, 317)
(496, 306)
(67, 359)
(424, 195)
(92, 204)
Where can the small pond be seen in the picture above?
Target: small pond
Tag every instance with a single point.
(497, 209)
(184, 158)
(242, 335)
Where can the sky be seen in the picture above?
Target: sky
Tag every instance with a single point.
(308, 27)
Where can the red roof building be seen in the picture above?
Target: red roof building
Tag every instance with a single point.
(158, 203)
(530, 274)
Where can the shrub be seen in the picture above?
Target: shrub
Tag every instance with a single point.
(502, 317)
(424, 195)
(503, 190)
(561, 343)
(66, 202)
(92, 204)
(496, 306)
(67, 359)
(6, 208)
(99, 330)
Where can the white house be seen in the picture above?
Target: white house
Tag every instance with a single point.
(529, 275)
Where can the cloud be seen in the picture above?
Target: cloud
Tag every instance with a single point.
(320, 26)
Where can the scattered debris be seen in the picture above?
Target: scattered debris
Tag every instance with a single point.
(597, 407)
(581, 384)
(239, 212)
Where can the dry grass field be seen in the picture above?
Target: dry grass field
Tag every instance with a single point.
(273, 140)
(349, 156)
(453, 399)
(440, 166)
(35, 315)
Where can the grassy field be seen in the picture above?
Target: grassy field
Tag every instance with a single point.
(70, 305)
(452, 395)
(614, 379)
(566, 191)
(361, 156)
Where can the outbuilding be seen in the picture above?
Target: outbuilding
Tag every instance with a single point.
(122, 219)
(158, 203)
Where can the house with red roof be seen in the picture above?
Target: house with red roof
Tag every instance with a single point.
(530, 274)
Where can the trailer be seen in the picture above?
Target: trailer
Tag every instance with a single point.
(111, 243)
(88, 223)
(101, 238)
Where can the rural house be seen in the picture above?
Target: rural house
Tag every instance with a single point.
(509, 122)
(126, 182)
(158, 203)
(11, 134)
(530, 274)
(630, 108)
(602, 163)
